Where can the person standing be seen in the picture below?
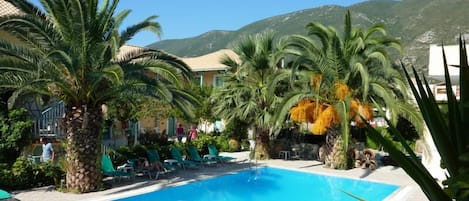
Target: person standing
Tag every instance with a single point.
(48, 153)
(180, 132)
(193, 133)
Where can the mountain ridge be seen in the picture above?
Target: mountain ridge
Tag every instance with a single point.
(417, 23)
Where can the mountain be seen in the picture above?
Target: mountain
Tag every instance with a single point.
(417, 23)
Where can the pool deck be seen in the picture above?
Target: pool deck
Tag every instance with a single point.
(409, 190)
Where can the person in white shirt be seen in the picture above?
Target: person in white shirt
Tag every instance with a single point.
(48, 153)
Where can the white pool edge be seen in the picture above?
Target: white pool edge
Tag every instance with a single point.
(399, 194)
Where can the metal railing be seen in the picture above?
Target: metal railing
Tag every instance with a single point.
(48, 124)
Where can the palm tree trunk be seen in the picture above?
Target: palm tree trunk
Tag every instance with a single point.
(262, 151)
(83, 145)
(335, 155)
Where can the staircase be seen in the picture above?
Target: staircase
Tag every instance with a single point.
(49, 121)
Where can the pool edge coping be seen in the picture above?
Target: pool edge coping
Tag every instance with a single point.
(399, 194)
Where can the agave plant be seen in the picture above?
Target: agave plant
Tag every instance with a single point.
(450, 134)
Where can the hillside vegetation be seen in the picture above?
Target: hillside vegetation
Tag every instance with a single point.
(418, 23)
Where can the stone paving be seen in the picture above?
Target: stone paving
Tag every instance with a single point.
(409, 190)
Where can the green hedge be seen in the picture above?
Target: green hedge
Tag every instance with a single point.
(24, 174)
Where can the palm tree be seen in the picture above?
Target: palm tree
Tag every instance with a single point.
(248, 94)
(346, 73)
(72, 50)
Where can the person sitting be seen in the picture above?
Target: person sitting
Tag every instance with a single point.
(145, 165)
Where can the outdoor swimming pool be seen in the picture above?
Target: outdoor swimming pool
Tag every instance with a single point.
(271, 184)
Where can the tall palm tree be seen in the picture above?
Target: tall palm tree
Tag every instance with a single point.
(359, 62)
(72, 50)
(248, 93)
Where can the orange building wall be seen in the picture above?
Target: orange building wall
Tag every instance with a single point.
(208, 78)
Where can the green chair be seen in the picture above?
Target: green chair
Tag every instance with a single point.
(176, 154)
(195, 156)
(154, 156)
(108, 169)
(135, 164)
(4, 195)
(213, 151)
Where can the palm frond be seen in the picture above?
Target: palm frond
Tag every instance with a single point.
(146, 25)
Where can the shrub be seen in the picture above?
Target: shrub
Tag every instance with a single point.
(52, 172)
(164, 152)
(181, 146)
(24, 174)
(139, 151)
(151, 137)
(15, 133)
(370, 143)
(245, 145)
(234, 145)
(202, 142)
(236, 129)
(6, 177)
(223, 143)
(121, 155)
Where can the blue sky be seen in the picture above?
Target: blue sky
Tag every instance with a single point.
(190, 18)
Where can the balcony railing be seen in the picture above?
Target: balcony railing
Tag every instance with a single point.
(49, 122)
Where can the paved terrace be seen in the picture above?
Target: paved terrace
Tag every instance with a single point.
(409, 189)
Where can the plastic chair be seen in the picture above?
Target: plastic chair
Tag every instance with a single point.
(212, 150)
(108, 169)
(176, 154)
(154, 156)
(4, 195)
(195, 156)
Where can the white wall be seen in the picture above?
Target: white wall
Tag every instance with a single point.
(435, 62)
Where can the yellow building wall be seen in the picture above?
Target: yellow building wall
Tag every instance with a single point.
(6, 36)
(147, 123)
(150, 124)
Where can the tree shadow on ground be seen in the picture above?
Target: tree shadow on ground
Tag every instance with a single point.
(172, 179)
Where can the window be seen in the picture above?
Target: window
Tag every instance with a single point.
(218, 81)
(198, 80)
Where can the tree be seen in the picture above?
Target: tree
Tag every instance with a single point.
(248, 94)
(72, 50)
(203, 113)
(341, 76)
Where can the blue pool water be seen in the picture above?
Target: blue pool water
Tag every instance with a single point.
(271, 184)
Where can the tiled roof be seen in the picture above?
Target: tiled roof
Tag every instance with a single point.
(208, 62)
(7, 9)
(126, 49)
(211, 61)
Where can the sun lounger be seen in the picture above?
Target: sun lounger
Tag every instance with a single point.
(107, 169)
(154, 156)
(213, 151)
(151, 173)
(195, 156)
(4, 195)
(176, 154)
